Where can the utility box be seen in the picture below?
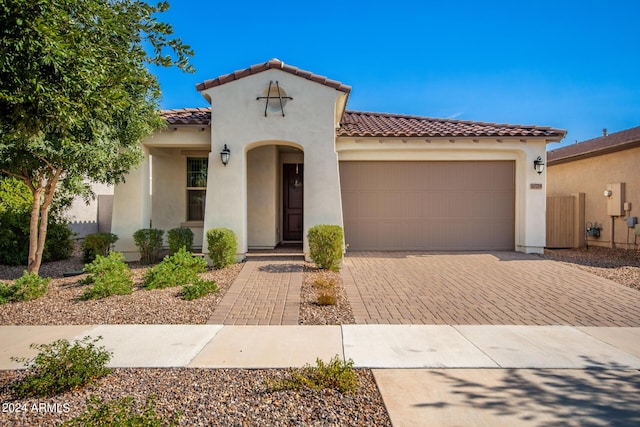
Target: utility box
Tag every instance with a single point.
(631, 221)
(615, 202)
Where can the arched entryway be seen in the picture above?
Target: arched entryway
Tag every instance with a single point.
(275, 194)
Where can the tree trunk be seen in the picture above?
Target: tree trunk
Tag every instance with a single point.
(38, 231)
(33, 265)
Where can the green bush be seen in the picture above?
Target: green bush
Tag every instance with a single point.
(108, 276)
(59, 244)
(179, 237)
(222, 245)
(149, 243)
(199, 289)
(337, 375)
(15, 217)
(97, 244)
(325, 246)
(28, 287)
(179, 269)
(120, 412)
(62, 366)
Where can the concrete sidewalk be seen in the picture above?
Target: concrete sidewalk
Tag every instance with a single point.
(371, 346)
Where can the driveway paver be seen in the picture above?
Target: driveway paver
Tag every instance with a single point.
(488, 288)
(266, 292)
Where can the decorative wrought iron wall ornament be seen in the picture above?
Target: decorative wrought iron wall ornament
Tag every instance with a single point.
(269, 97)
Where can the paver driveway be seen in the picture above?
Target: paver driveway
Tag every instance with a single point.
(482, 288)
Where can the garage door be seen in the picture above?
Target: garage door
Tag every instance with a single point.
(450, 206)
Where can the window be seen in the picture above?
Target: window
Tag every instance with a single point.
(197, 168)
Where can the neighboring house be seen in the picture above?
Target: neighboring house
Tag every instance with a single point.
(593, 167)
(297, 158)
(95, 216)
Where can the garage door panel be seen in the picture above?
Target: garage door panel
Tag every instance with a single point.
(429, 205)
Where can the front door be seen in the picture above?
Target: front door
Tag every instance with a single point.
(292, 192)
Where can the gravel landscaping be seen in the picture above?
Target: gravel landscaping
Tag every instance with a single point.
(216, 397)
(311, 313)
(619, 265)
(224, 397)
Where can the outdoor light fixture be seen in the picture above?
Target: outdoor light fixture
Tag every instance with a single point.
(538, 165)
(225, 154)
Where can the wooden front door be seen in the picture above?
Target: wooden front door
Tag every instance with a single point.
(292, 192)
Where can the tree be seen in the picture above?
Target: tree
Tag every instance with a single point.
(76, 96)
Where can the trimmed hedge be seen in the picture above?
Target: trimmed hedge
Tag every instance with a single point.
(149, 242)
(325, 246)
(179, 237)
(97, 244)
(222, 245)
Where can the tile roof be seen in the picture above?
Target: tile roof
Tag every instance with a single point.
(275, 64)
(594, 147)
(187, 116)
(377, 125)
(364, 124)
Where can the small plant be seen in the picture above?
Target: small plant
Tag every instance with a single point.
(62, 366)
(97, 244)
(337, 375)
(325, 291)
(180, 237)
(179, 269)
(108, 276)
(28, 287)
(149, 242)
(325, 246)
(120, 412)
(223, 245)
(198, 289)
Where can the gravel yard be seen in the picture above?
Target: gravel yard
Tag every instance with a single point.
(313, 314)
(217, 397)
(619, 265)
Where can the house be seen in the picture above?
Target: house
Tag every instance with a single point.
(278, 152)
(605, 172)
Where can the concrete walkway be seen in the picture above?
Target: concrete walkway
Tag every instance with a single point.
(266, 292)
(460, 375)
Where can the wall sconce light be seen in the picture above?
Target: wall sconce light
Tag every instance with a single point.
(538, 165)
(225, 154)
(608, 193)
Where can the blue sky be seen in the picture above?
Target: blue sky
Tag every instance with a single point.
(573, 65)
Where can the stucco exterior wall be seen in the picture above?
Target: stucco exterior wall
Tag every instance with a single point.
(240, 123)
(530, 203)
(591, 176)
(262, 189)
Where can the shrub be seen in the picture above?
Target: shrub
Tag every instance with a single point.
(337, 375)
(325, 246)
(149, 242)
(28, 287)
(109, 275)
(58, 244)
(97, 244)
(15, 216)
(198, 289)
(120, 412)
(180, 237)
(222, 245)
(62, 366)
(178, 269)
(325, 291)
